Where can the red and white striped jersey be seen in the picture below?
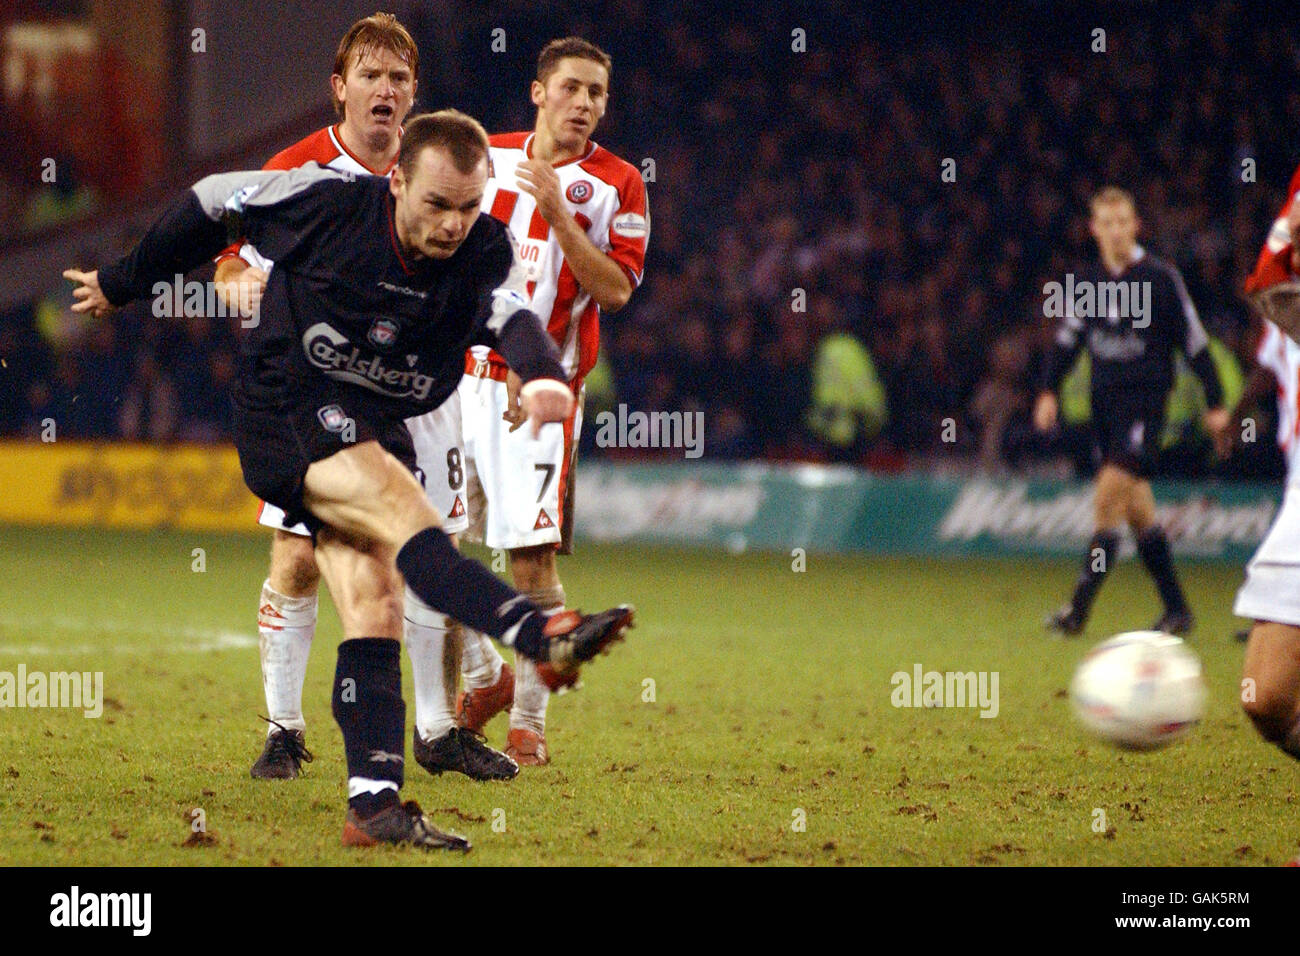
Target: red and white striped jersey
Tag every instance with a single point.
(1280, 354)
(1277, 351)
(607, 197)
(326, 148)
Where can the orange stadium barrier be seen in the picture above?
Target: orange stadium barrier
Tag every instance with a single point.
(190, 487)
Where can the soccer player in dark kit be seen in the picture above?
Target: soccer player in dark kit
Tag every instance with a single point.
(1132, 312)
(379, 288)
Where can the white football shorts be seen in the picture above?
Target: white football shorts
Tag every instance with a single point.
(1272, 588)
(518, 485)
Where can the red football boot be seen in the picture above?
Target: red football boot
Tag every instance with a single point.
(527, 747)
(474, 708)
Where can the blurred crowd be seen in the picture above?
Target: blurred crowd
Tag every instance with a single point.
(854, 213)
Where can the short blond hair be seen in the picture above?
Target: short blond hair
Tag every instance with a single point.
(1108, 196)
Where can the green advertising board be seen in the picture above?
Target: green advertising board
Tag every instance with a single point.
(835, 508)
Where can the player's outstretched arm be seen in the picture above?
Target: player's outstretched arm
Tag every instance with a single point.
(194, 227)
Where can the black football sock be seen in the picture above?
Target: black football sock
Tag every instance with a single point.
(449, 582)
(367, 703)
(1102, 551)
(1153, 547)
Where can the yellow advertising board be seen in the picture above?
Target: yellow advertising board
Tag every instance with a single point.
(191, 487)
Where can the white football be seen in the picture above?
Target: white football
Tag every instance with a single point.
(1140, 691)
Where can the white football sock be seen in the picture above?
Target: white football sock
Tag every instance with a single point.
(531, 695)
(285, 627)
(481, 663)
(435, 663)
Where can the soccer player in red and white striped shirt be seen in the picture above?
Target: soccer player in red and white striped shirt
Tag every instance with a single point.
(1270, 595)
(580, 216)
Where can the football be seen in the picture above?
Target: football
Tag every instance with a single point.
(1139, 691)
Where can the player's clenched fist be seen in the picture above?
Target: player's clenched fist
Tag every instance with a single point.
(545, 400)
(90, 297)
(241, 289)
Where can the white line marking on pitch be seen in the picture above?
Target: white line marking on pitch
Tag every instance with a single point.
(178, 640)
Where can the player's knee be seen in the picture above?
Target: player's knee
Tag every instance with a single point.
(294, 571)
(533, 567)
(380, 617)
(1270, 708)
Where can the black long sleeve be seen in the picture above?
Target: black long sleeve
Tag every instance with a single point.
(194, 228)
(1203, 366)
(528, 349)
(1057, 363)
(182, 238)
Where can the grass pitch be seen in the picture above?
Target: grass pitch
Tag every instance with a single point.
(750, 699)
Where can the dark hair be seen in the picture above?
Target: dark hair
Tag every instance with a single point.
(557, 50)
(377, 31)
(458, 133)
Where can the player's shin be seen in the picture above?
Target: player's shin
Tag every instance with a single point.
(1153, 547)
(368, 706)
(446, 580)
(1103, 549)
(531, 693)
(480, 661)
(433, 642)
(285, 627)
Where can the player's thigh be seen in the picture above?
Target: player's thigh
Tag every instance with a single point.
(1141, 506)
(1111, 496)
(364, 582)
(1272, 668)
(365, 491)
(438, 441)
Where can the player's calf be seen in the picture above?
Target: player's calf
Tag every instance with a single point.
(1271, 684)
(1097, 562)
